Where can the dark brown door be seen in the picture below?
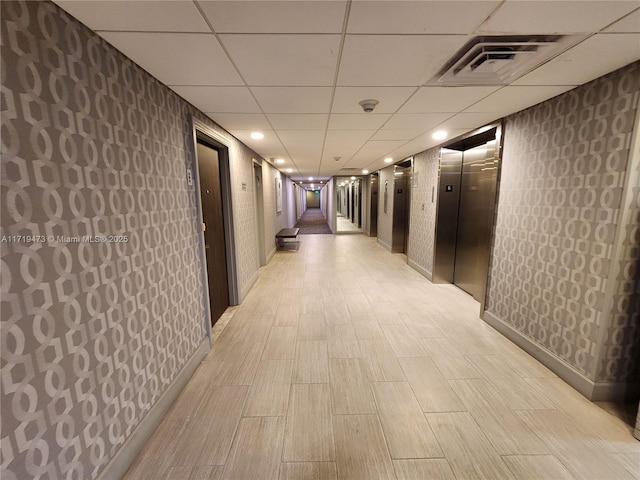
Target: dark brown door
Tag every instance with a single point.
(214, 242)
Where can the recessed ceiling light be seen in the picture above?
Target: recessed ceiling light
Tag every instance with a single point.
(280, 160)
(439, 135)
(310, 179)
(321, 181)
(353, 178)
(365, 171)
(257, 135)
(388, 160)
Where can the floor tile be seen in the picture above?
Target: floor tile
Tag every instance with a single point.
(430, 468)
(350, 388)
(311, 363)
(269, 394)
(380, 362)
(361, 452)
(308, 471)
(508, 434)
(309, 429)
(432, 390)
(257, 449)
(281, 344)
(467, 449)
(536, 467)
(406, 430)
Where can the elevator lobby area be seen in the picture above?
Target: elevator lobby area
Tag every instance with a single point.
(345, 363)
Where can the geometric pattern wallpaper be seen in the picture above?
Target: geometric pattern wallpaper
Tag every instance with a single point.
(423, 211)
(563, 169)
(621, 350)
(99, 270)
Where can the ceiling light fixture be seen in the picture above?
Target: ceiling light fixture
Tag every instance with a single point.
(388, 160)
(289, 170)
(310, 179)
(365, 171)
(257, 135)
(440, 135)
(280, 160)
(353, 178)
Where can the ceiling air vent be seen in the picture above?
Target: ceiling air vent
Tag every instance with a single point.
(349, 169)
(499, 60)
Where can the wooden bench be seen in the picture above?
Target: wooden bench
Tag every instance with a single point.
(287, 233)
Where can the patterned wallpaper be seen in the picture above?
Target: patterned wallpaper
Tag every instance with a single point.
(385, 220)
(621, 349)
(563, 169)
(423, 208)
(101, 304)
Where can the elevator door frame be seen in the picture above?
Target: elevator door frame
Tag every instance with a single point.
(207, 135)
(441, 271)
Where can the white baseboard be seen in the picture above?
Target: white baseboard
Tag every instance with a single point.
(594, 391)
(126, 454)
(422, 271)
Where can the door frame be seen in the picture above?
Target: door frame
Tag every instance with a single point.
(204, 133)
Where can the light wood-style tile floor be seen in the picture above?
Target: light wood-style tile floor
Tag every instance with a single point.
(344, 363)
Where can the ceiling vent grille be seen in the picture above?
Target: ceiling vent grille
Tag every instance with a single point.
(349, 169)
(499, 60)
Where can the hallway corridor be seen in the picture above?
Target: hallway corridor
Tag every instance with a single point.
(344, 363)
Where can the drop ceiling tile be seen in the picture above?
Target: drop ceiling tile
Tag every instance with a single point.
(468, 121)
(240, 121)
(594, 57)
(293, 99)
(512, 99)
(403, 135)
(628, 24)
(416, 121)
(298, 121)
(134, 15)
(445, 99)
(395, 60)
(270, 142)
(405, 17)
(347, 99)
(275, 16)
(284, 59)
(378, 148)
(291, 138)
(177, 58)
(219, 99)
(347, 138)
(549, 17)
(362, 121)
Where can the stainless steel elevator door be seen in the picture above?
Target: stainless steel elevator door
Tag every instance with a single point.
(475, 218)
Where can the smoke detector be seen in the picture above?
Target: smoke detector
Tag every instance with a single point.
(369, 104)
(501, 59)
